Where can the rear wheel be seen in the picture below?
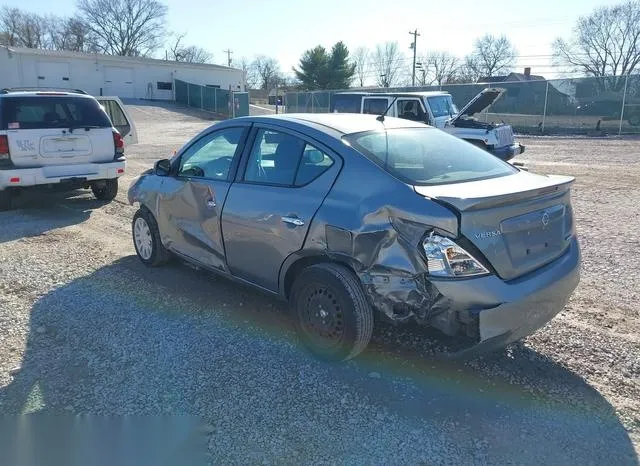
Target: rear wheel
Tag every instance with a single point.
(146, 239)
(331, 313)
(105, 190)
(634, 120)
(5, 200)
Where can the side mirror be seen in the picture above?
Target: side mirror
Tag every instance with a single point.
(162, 167)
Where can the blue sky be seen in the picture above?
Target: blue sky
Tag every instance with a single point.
(284, 29)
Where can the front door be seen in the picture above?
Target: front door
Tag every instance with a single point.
(269, 209)
(191, 202)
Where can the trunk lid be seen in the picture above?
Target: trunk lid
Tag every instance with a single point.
(481, 101)
(519, 222)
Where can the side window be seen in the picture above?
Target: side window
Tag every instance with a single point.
(274, 158)
(375, 106)
(212, 155)
(410, 109)
(313, 164)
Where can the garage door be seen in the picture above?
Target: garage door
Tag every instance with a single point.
(118, 81)
(53, 74)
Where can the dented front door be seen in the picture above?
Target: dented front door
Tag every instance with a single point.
(190, 204)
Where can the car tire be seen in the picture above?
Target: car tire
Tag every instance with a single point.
(634, 120)
(331, 314)
(106, 190)
(146, 239)
(6, 199)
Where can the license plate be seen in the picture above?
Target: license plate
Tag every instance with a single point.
(65, 145)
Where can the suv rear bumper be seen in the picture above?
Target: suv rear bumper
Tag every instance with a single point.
(508, 152)
(55, 174)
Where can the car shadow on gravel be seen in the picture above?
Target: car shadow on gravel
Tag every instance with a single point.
(130, 339)
(36, 212)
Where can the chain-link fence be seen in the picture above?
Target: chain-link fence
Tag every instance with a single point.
(223, 103)
(608, 105)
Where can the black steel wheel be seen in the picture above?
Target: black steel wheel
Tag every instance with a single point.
(331, 314)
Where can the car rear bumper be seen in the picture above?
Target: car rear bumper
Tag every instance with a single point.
(508, 152)
(55, 174)
(507, 311)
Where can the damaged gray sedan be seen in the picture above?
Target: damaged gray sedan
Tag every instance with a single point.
(349, 215)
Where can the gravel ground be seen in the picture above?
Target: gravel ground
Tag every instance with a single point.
(86, 328)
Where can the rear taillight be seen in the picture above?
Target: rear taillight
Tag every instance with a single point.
(119, 144)
(4, 148)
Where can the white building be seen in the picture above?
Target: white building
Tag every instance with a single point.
(96, 74)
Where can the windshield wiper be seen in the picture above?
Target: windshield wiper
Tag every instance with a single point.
(86, 127)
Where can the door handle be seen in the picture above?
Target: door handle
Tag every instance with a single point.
(295, 221)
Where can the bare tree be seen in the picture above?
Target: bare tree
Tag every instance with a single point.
(267, 71)
(189, 54)
(125, 27)
(491, 56)
(387, 63)
(604, 43)
(23, 29)
(361, 62)
(71, 34)
(442, 66)
(463, 75)
(251, 79)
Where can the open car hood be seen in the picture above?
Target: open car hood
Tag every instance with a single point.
(481, 101)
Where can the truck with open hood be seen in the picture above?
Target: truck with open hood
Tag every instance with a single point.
(437, 108)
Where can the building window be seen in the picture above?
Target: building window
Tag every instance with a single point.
(164, 86)
(213, 85)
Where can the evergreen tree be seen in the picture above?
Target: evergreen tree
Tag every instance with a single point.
(321, 70)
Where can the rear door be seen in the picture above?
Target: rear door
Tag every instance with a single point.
(190, 202)
(62, 129)
(270, 207)
(120, 118)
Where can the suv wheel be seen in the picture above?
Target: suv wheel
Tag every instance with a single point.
(105, 190)
(331, 313)
(5, 200)
(146, 239)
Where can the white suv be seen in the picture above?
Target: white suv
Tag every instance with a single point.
(61, 138)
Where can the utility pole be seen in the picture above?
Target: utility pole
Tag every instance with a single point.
(228, 52)
(413, 46)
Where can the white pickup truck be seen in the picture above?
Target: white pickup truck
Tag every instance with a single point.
(438, 109)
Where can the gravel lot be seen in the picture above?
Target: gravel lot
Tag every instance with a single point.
(86, 328)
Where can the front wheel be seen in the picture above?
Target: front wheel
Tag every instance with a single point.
(146, 239)
(331, 313)
(105, 190)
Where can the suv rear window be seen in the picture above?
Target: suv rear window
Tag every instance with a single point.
(43, 112)
(428, 156)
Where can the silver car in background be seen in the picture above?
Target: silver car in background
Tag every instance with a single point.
(347, 215)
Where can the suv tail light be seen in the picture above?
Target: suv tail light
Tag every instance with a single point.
(119, 144)
(4, 148)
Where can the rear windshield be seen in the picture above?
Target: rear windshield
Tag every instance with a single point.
(428, 156)
(51, 112)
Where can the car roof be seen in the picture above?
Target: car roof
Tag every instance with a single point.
(394, 94)
(344, 123)
(42, 93)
